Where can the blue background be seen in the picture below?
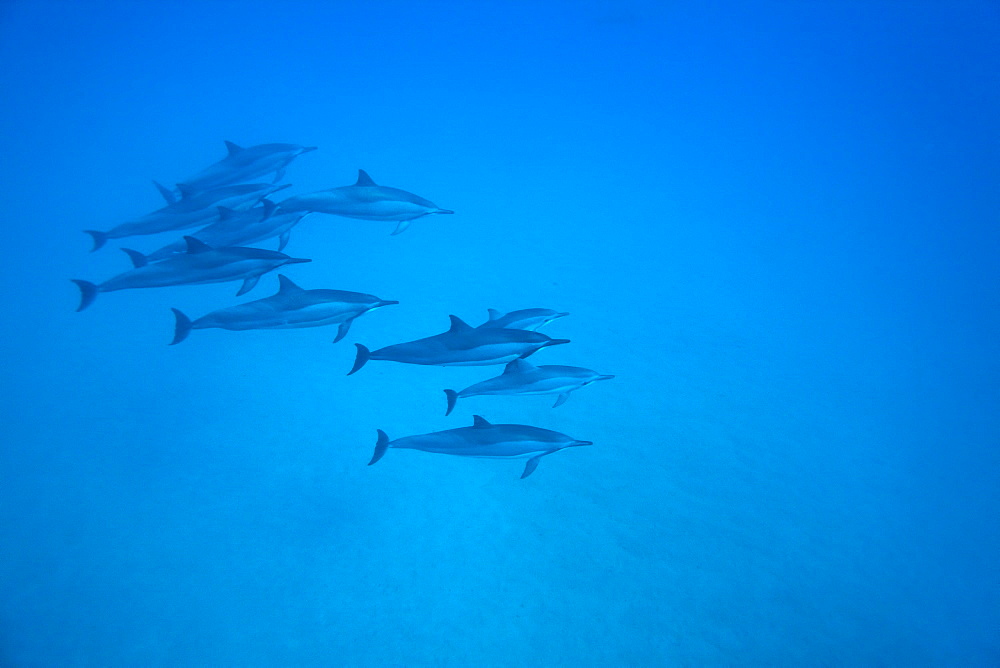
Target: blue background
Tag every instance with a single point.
(776, 223)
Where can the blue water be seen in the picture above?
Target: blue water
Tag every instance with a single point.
(775, 223)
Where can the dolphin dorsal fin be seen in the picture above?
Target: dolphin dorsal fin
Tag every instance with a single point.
(168, 195)
(518, 366)
(457, 324)
(269, 208)
(493, 314)
(479, 422)
(196, 245)
(233, 148)
(364, 179)
(138, 259)
(225, 213)
(286, 285)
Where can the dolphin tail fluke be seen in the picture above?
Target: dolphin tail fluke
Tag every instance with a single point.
(561, 400)
(100, 238)
(181, 328)
(532, 464)
(380, 447)
(452, 398)
(88, 293)
(363, 356)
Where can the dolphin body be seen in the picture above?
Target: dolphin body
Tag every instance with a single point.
(244, 164)
(238, 228)
(192, 210)
(367, 201)
(461, 345)
(290, 308)
(482, 439)
(529, 318)
(200, 264)
(522, 377)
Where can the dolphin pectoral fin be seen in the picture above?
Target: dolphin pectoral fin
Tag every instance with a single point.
(532, 464)
(403, 224)
(381, 445)
(283, 240)
(88, 293)
(248, 285)
(342, 330)
(363, 356)
(182, 327)
(561, 400)
(279, 176)
(452, 396)
(100, 238)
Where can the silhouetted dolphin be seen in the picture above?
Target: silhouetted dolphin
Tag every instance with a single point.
(190, 211)
(239, 228)
(201, 264)
(529, 318)
(244, 164)
(461, 346)
(482, 439)
(522, 377)
(290, 308)
(366, 200)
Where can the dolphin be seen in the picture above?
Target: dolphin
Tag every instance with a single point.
(244, 164)
(482, 439)
(200, 264)
(190, 211)
(529, 318)
(461, 345)
(366, 200)
(522, 377)
(238, 228)
(290, 308)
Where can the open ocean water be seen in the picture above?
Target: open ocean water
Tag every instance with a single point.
(777, 224)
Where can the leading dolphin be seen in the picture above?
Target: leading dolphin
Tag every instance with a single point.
(461, 345)
(290, 308)
(482, 439)
(527, 318)
(201, 264)
(244, 164)
(523, 377)
(366, 200)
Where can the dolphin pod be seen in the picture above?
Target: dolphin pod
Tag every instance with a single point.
(483, 439)
(229, 202)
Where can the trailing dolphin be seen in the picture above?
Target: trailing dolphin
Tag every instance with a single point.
(190, 211)
(290, 308)
(244, 164)
(522, 377)
(239, 228)
(366, 200)
(482, 439)
(529, 318)
(200, 264)
(461, 345)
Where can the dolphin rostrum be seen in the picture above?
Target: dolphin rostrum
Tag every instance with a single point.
(290, 308)
(522, 377)
(366, 200)
(461, 345)
(528, 318)
(200, 264)
(482, 439)
(191, 211)
(244, 164)
(239, 228)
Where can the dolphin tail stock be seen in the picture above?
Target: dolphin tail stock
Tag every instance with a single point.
(452, 398)
(363, 356)
(100, 238)
(88, 293)
(182, 327)
(381, 445)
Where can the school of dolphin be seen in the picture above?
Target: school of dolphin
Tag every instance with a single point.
(229, 202)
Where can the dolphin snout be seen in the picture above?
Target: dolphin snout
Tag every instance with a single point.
(297, 260)
(605, 377)
(444, 211)
(576, 443)
(385, 303)
(306, 149)
(556, 342)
